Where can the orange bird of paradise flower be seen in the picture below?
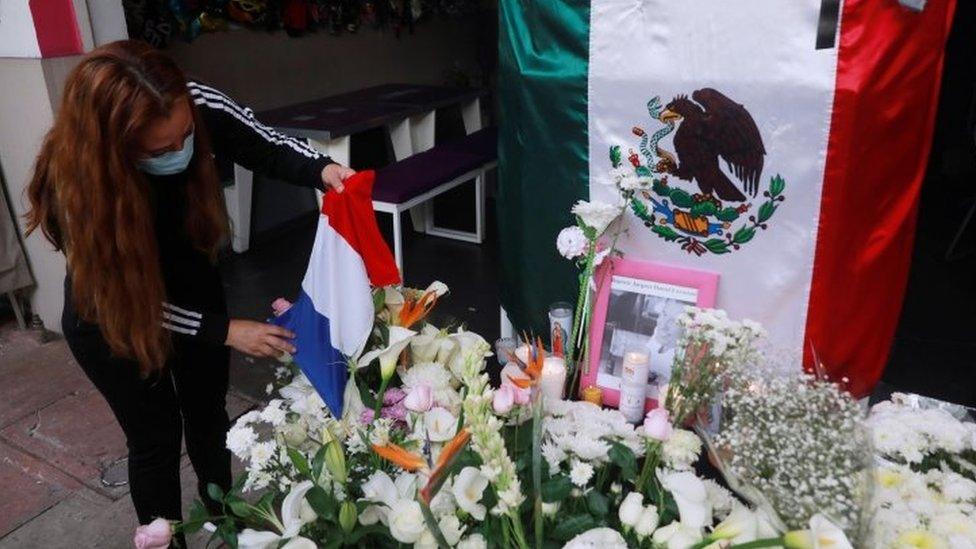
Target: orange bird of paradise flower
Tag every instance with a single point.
(413, 462)
(533, 369)
(416, 309)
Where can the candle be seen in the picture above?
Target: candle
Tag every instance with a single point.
(504, 349)
(553, 378)
(633, 386)
(560, 322)
(593, 394)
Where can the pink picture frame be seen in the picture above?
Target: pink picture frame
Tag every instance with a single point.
(627, 288)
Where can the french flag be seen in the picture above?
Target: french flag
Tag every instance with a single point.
(333, 315)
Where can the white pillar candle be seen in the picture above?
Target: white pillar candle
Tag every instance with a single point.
(633, 386)
(553, 378)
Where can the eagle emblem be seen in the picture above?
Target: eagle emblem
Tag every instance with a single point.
(685, 196)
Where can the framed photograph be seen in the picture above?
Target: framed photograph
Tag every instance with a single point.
(636, 309)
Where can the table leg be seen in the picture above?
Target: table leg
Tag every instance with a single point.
(471, 114)
(399, 132)
(238, 200)
(422, 128)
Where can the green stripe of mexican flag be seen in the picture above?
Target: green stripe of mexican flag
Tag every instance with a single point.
(543, 149)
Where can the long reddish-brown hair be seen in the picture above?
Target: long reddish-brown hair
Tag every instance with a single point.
(91, 201)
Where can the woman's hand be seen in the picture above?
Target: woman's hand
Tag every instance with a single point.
(259, 339)
(334, 174)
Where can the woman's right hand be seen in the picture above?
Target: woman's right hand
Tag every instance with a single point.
(259, 339)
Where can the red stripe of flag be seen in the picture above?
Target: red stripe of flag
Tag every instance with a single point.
(889, 69)
(56, 27)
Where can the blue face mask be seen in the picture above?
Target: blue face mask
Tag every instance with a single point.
(171, 162)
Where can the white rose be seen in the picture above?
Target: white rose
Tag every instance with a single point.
(254, 539)
(469, 486)
(631, 508)
(647, 522)
(571, 242)
(406, 521)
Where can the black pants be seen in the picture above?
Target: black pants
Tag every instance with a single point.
(189, 395)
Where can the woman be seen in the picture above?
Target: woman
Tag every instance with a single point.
(126, 186)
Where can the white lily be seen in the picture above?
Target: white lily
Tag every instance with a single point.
(379, 488)
(352, 402)
(399, 338)
(690, 495)
(823, 534)
(441, 425)
(469, 487)
(406, 521)
(295, 510)
(257, 539)
(741, 526)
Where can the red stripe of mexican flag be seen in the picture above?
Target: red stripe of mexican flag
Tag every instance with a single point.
(889, 68)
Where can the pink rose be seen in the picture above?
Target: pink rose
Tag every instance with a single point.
(420, 399)
(155, 535)
(657, 425)
(280, 306)
(504, 399)
(522, 396)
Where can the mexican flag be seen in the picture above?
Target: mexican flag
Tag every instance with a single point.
(788, 142)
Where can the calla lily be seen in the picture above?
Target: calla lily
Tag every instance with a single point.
(469, 486)
(470, 346)
(438, 288)
(256, 539)
(441, 425)
(398, 340)
(690, 495)
(295, 511)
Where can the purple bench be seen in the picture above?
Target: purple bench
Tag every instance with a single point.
(417, 179)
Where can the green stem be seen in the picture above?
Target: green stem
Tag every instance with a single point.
(650, 464)
(765, 542)
(379, 398)
(516, 522)
(537, 465)
(579, 318)
(432, 525)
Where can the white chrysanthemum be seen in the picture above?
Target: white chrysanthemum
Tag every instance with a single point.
(682, 449)
(240, 440)
(261, 453)
(571, 242)
(273, 413)
(598, 538)
(580, 473)
(597, 215)
(719, 498)
(435, 376)
(554, 455)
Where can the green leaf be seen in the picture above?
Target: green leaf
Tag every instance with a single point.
(623, 457)
(597, 503)
(744, 235)
(556, 489)
(215, 492)
(766, 211)
(660, 188)
(643, 171)
(706, 209)
(228, 532)
(571, 526)
(322, 503)
(776, 186)
(665, 232)
(727, 214)
(362, 531)
(300, 463)
(318, 462)
(717, 246)
(681, 198)
(615, 156)
(240, 508)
